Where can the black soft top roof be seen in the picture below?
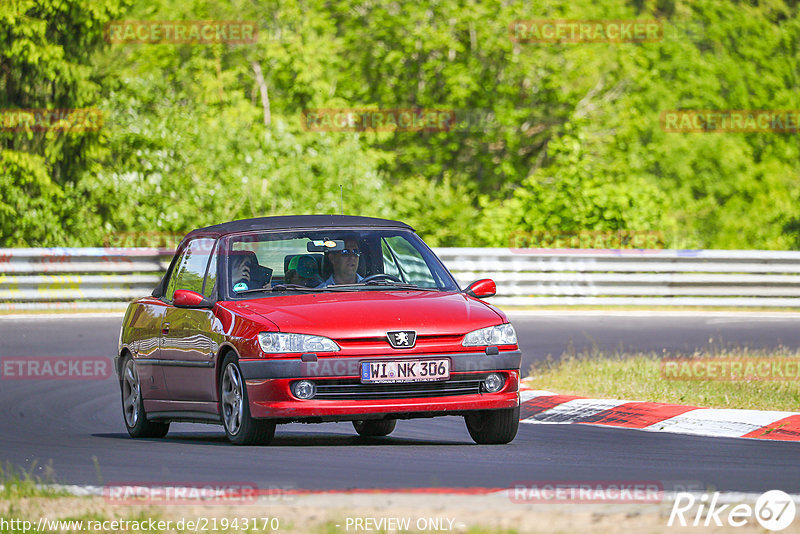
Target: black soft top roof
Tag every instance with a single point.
(283, 222)
(291, 222)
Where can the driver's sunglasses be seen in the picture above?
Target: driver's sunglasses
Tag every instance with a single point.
(350, 251)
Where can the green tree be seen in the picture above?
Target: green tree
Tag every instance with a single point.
(45, 63)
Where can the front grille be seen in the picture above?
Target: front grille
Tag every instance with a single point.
(353, 389)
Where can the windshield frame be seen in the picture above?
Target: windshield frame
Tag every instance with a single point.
(432, 261)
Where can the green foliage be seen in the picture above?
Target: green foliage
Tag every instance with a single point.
(27, 199)
(440, 211)
(45, 63)
(560, 136)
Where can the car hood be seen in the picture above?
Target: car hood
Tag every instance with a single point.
(366, 314)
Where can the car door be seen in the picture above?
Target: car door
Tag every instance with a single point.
(186, 351)
(145, 326)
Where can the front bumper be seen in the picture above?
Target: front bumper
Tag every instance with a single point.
(340, 367)
(269, 388)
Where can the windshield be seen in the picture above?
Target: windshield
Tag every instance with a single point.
(256, 265)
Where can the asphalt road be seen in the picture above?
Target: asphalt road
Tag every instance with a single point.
(74, 429)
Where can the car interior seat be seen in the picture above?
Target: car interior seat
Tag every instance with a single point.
(305, 266)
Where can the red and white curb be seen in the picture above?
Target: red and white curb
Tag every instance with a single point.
(544, 407)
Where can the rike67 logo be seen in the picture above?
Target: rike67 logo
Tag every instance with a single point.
(774, 511)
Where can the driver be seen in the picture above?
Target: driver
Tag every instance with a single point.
(345, 264)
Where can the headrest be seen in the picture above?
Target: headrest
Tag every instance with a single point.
(305, 266)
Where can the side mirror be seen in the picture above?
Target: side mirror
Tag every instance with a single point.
(480, 289)
(184, 298)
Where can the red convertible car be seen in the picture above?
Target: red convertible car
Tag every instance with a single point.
(312, 319)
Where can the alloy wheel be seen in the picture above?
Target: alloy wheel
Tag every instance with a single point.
(130, 394)
(232, 406)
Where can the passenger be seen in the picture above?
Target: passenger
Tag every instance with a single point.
(303, 271)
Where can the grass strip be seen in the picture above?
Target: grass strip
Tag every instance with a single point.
(678, 379)
(17, 483)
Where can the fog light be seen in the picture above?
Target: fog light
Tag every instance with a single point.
(493, 383)
(304, 389)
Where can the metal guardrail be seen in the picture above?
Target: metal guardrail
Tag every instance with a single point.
(109, 277)
(535, 277)
(75, 278)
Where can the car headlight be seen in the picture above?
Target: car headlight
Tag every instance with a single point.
(273, 342)
(502, 334)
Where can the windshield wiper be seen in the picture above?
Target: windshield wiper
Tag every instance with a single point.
(387, 284)
(279, 287)
(377, 284)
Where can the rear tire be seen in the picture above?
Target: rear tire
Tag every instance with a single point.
(133, 405)
(375, 428)
(240, 427)
(493, 427)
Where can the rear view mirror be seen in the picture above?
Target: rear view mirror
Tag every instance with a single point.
(325, 245)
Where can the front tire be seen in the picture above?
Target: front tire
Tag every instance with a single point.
(493, 427)
(133, 405)
(375, 428)
(240, 427)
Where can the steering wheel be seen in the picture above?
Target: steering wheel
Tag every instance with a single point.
(380, 275)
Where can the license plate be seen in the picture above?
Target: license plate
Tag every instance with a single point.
(393, 371)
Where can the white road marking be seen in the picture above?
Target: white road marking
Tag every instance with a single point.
(718, 422)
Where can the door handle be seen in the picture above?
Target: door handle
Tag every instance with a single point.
(165, 328)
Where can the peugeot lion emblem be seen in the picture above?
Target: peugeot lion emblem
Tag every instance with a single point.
(402, 339)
